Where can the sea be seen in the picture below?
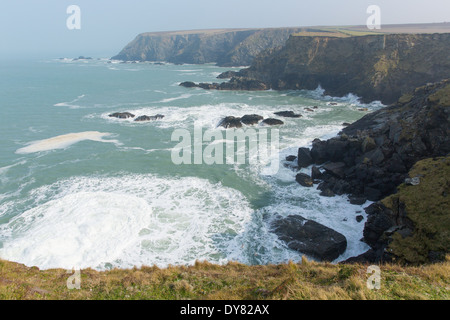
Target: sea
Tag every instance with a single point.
(81, 189)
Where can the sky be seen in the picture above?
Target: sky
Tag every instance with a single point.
(30, 28)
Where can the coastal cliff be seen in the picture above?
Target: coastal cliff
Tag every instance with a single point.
(374, 67)
(227, 47)
(398, 157)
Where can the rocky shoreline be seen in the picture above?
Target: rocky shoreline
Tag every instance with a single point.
(373, 67)
(372, 157)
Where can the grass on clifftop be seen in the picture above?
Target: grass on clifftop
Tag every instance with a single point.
(337, 32)
(305, 281)
(427, 205)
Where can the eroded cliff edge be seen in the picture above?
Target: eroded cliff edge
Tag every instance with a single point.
(374, 67)
(227, 47)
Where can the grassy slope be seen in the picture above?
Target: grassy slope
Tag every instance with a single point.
(305, 281)
(428, 207)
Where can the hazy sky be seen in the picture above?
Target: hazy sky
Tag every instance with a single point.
(38, 27)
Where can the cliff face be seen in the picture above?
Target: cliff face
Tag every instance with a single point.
(374, 67)
(224, 47)
(372, 157)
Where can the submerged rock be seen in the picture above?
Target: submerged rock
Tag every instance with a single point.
(310, 237)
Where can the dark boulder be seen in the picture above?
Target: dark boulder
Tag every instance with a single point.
(230, 122)
(357, 200)
(310, 237)
(316, 174)
(251, 119)
(339, 149)
(379, 220)
(272, 122)
(149, 118)
(304, 157)
(142, 118)
(188, 84)
(288, 114)
(327, 193)
(291, 158)
(157, 117)
(122, 115)
(304, 180)
(336, 169)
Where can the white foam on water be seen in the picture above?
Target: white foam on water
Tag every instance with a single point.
(183, 96)
(292, 199)
(3, 170)
(64, 141)
(207, 116)
(70, 104)
(126, 221)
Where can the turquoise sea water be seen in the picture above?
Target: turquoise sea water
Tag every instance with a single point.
(80, 189)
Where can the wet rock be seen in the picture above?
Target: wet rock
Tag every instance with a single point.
(355, 200)
(288, 114)
(304, 157)
(251, 119)
(379, 220)
(149, 118)
(122, 115)
(337, 169)
(316, 174)
(142, 118)
(304, 180)
(310, 237)
(291, 158)
(230, 122)
(188, 84)
(272, 122)
(327, 193)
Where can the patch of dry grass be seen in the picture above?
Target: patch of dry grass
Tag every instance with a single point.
(234, 281)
